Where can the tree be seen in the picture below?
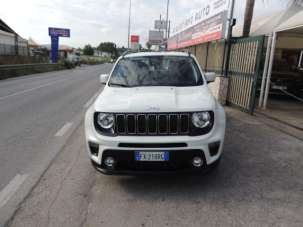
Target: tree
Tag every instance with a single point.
(108, 47)
(121, 50)
(88, 50)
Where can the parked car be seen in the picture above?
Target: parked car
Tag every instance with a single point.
(287, 82)
(74, 58)
(155, 114)
(287, 75)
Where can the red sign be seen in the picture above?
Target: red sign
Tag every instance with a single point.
(134, 39)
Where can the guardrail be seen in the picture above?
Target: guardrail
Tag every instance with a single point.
(25, 65)
(7, 71)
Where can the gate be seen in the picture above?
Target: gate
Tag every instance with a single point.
(244, 71)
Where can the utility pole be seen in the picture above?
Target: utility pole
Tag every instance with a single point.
(16, 44)
(167, 11)
(249, 11)
(228, 38)
(129, 16)
(168, 29)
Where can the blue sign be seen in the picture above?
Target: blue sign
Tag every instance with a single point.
(55, 33)
(55, 48)
(62, 32)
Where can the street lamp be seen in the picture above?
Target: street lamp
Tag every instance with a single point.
(129, 15)
(167, 10)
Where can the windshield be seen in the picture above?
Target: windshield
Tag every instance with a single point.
(156, 71)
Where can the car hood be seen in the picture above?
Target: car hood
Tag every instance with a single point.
(154, 99)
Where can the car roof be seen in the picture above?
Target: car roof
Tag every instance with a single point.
(160, 53)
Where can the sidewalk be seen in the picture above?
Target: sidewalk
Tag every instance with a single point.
(259, 183)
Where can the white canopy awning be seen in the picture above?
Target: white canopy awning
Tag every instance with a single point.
(293, 22)
(261, 25)
(278, 21)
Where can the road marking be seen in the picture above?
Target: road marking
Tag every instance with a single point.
(64, 129)
(31, 89)
(91, 100)
(11, 188)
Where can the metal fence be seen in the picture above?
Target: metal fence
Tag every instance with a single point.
(244, 67)
(10, 50)
(209, 55)
(244, 70)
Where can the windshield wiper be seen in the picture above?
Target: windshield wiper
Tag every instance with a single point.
(118, 85)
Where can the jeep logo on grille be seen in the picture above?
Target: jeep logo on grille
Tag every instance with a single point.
(153, 109)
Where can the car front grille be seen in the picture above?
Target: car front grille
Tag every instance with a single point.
(152, 124)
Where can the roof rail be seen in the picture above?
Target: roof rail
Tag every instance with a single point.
(135, 51)
(186, 51)
(129, 52)
(126, 52)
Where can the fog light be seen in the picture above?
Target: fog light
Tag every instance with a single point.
(197, 162)
(109, 162)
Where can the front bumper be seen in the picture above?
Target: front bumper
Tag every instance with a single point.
(158, 171)
(182, 149)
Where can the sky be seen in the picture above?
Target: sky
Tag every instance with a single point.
(96, 21)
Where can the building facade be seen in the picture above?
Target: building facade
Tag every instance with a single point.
(263, 72)
(11, 43)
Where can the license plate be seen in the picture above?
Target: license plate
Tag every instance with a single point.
(155, 156)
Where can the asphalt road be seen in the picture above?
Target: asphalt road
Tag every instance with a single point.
(259, 183)
(37, 113)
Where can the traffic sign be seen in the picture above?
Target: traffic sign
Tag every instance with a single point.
(160, 24)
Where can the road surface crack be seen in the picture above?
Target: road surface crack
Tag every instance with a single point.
(66, 173)
(89, 195)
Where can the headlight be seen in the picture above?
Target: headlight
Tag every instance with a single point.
(201, 119)
(106, 121)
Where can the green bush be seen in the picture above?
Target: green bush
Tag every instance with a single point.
(91, 60)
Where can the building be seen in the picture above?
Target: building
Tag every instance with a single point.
(280, 87)
(98, 53)
(33, 46)
(264, 71)
(64, 50)
(10, 42)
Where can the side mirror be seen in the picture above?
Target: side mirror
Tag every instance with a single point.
(210, 77)
(104, 78)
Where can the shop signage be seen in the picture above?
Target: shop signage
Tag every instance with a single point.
(155, 37)
(55, 33)
(204, 25)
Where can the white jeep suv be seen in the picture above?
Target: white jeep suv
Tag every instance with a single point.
(155, 114)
